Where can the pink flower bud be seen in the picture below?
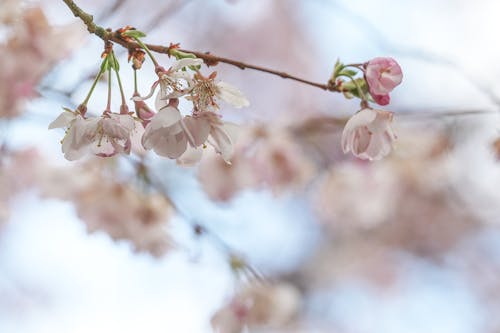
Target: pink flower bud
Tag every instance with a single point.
(382, 75)
(381, 99)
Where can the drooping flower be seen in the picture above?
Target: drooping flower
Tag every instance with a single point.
(173, 82)
(206, 91)
(368, 134)
(382, 75)
(164, 133)
(79, 133)
(105, 136)
(112, 135)
(207, 127)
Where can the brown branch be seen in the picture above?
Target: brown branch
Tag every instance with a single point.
(208, 58)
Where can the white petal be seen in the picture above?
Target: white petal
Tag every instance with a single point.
(172, 146)
(199, 129)
(63, 120)
(222, 143)
(162, 100)
(179, 64)
(232, 95)
(361, 118)
(165, 118)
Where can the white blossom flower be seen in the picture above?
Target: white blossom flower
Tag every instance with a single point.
(206, 91)
(173, 82)
(113, 134)
(104, 136)
(173, 136)
(164, 133)
(368, 134)
(207, 127)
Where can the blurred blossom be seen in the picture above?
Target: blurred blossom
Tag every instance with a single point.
(104, 203)
(264, 158)
(31, 48)
(258, 306)
(10, 11)
(357, 196)
(16, 174)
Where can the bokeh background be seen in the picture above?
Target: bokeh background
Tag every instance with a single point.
(295, 236)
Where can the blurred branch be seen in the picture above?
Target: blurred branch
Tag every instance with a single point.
(208, 58)
(236, 261)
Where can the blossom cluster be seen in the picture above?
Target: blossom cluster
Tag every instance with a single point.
(167, 131)
(368, 134)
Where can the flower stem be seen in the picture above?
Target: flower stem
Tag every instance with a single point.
(124, 102)
(148, 51)
(358, 87)
(136, 91)
(86, 100)
(108, 106)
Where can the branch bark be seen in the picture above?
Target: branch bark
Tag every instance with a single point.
(207, 57)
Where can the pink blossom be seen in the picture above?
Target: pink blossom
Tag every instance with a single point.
(104, 136)
(382, 76)
(164, 133)
(368, 134)
(269, 306)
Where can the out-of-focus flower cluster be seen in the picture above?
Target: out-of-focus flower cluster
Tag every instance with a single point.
(29, 49)
(117, 207)
(258, 307)
(265, 157)
(16, 175)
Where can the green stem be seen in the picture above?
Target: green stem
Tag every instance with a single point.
(141, 44)
(358, 87)
(108, 106)
(124, 102)
(136, 91)
(86, 100)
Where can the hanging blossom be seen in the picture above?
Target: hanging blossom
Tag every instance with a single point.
(382, 76)
(103, 136)
(174, 82)
(368, 134)
(183, 138)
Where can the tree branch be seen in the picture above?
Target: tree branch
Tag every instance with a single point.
(208, 58)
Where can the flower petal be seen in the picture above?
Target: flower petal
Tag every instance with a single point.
(186, 62)
(222, 143)
(199, 129)
(63, 120)
(232, 95)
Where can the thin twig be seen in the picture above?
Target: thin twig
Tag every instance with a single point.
(208, 58)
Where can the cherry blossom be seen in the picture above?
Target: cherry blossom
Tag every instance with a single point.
(173, 82)
(207, 127)
(206, 91)
(382, 76)
(105, 136)
(368, 134)
(164, 133)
